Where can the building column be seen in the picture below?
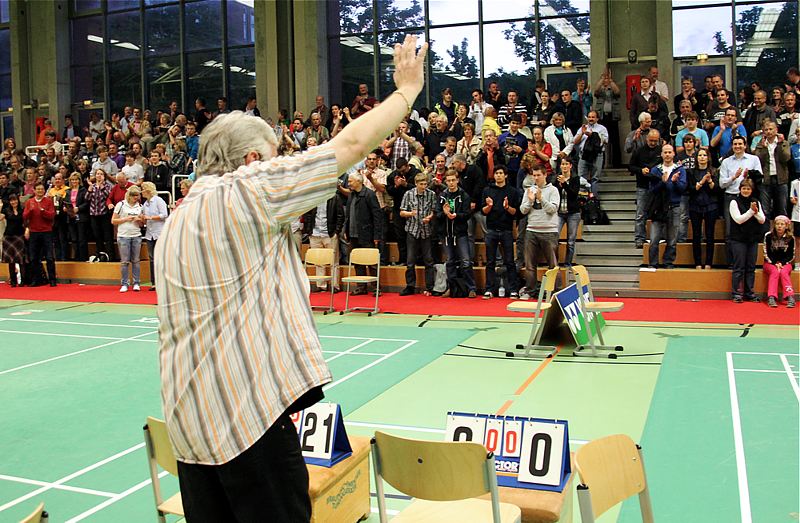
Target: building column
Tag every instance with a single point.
(311, 54)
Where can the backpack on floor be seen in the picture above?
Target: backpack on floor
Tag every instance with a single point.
(593, 213)
(440, 279)
(458, 287)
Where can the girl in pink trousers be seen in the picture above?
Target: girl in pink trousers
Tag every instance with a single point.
(778, 258)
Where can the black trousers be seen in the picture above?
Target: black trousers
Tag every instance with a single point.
(709, 218)
(267, 482)
(419, 247)
(104, 235)
(41, 248)
(399, 226)
(744, 268)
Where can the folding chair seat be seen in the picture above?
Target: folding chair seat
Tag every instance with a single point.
(324, 259)
(590, 309)
(364, 257)
(39, 515)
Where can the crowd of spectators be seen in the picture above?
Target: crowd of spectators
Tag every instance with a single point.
(504, 162)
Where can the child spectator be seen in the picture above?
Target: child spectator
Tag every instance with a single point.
(778, 257)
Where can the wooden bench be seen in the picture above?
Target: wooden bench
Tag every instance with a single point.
(93, 273)
(684, 256)
(341, 492)
(696, 280)
(719, 230)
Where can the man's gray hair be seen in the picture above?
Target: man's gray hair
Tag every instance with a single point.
(229, 138)
(356, 176)
(458, 157)
(644, 115)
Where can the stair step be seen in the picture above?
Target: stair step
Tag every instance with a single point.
(629, 261)
(619, 205)
(610, 237)
(620, 226)
(618, 195)
(607, 249)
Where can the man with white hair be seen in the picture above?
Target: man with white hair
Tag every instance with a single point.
(239, 349)
(638, 137)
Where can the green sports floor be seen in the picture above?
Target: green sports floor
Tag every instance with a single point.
(715, 407)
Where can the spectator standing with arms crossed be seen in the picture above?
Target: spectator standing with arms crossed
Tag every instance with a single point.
(238, 453)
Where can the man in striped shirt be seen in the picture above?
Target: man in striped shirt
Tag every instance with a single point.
(238, 348)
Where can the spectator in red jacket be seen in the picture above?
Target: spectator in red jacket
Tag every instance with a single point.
(118, 191)
(39, 214)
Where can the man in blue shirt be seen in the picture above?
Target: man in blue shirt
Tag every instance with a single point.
(722, 137)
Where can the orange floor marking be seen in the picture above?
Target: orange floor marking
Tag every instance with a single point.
(502, 410)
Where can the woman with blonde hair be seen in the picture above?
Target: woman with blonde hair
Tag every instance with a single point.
(778, 257)
(77, 208)
(128, 219)
(470, 144)
(153, 216)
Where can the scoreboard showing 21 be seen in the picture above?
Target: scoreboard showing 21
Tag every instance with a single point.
(529, 453)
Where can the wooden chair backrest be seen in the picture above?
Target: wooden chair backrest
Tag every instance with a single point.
(549, 280)
(612, 469)
(162, 449)
(581, 272)
(365, 256)
(319, 257)
(433, 470)
(36, 515)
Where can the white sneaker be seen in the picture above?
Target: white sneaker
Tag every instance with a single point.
(124, 288)
(136, 287)
(524, 296)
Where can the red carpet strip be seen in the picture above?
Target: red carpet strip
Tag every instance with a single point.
(636, 309)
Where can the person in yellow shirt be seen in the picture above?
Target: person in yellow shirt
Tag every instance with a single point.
(490, 122)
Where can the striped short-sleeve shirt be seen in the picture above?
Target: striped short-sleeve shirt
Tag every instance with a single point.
(238, 343)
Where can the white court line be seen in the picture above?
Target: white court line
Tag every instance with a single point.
(389, 512)
(70, 477)
(80, 490)
(350, 350)
(48, 360)
(792, 378)
(767, 353)
(62, 335)
(359, 338)
(117, 497)
(362, 369)
(368, 353)
(423, 429)
(765, 370)
(80, 323)
(741, 464)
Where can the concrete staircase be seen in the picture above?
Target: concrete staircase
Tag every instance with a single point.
(607, 250)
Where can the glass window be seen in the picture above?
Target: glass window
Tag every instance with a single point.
(4, 14)
(5, 51)
(354, 16)
(564, 39)
(8, 127)
(242, 76)
(164, 81)
(203, 25)
(766, 37)
(692, 3)
(568, 7)
(125, 84)
(159, 2)
(386, 73)
(87, 40)
(123, 36)
(161, 30)
(403, 14)
(351, 65)
(122, 5)
(441, 13)
(86, 5)
(87, 83)
(241, 22)
(510, 57)
(5, 91)
(704, 30)
(507, 10)
(454, 62)
(204, 77)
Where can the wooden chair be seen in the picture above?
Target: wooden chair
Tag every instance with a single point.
(364, 257)
(324, 259)
(611, 469)
(590, 309)
(443, 476)
(39, 515)
(537, 307)
(159, 453)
